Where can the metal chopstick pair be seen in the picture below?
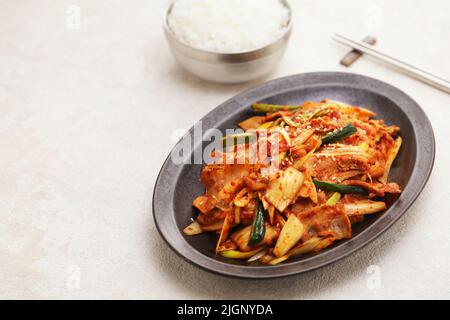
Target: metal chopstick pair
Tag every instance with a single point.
(417, 73)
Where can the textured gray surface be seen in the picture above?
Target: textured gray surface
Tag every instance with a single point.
(88, 116)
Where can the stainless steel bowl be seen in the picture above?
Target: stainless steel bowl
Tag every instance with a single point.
(228, 67)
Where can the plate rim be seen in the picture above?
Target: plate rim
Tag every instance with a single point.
(415, 185)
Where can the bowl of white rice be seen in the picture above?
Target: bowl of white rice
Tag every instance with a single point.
(228, 41)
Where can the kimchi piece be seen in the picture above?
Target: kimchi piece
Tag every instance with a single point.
(295, 180)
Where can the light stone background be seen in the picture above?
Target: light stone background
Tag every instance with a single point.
(86, 120)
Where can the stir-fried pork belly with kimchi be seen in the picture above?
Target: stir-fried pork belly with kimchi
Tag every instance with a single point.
(296, 180)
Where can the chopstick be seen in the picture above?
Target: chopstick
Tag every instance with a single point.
(412, 71)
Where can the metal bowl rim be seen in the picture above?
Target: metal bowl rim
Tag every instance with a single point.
(196, 50)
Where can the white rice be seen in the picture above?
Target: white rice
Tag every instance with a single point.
(228, 26)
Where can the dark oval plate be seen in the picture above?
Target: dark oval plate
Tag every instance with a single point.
(177, 185)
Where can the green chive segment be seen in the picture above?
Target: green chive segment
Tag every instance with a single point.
(258, 227)
(341, 188)
(345, 132)
(264, 107)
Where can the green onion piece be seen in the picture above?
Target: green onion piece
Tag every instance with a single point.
(320, 113)
(240, 138)
(345, 132)
(333, 199)
(341, 188)
(290, 122)
(258, 227)
(264, 107)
